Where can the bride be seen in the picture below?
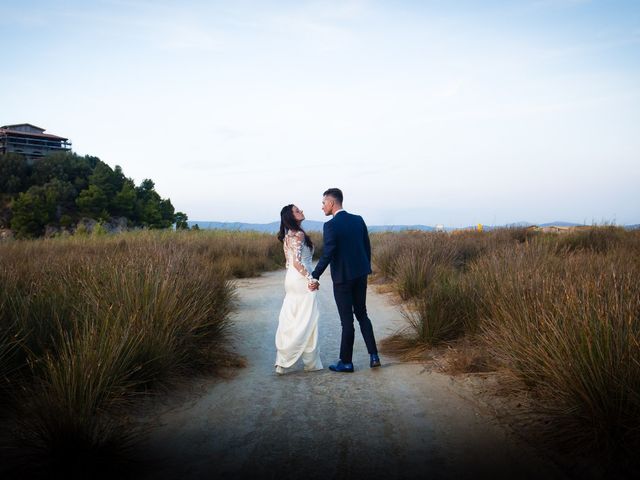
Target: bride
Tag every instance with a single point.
(297, 334)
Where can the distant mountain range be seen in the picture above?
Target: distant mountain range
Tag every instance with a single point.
(309, 226)
(315, 226)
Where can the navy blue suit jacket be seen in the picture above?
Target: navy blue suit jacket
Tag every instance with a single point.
(346, 248)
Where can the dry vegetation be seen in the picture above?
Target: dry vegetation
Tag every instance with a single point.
(561, 312)
(88, 324)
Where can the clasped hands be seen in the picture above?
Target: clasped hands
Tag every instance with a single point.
(313, 284)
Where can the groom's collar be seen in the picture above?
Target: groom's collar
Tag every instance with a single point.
(336, 213)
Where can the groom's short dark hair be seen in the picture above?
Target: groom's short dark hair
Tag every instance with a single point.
(335, 193)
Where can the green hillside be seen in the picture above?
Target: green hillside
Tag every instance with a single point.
(53, 194)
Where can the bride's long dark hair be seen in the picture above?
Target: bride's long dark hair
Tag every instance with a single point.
(289, 222)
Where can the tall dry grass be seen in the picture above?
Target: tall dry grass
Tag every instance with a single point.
(443, 310)
(569, 326)
(88, 324)
(561, 311)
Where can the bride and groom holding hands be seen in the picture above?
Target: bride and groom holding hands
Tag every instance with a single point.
(347, 250)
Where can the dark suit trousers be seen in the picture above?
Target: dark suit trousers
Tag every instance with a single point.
(351, 298)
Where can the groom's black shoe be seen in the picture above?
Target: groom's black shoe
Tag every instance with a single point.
(341, 367)
(375, 360)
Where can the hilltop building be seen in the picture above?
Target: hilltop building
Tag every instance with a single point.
(30, 141)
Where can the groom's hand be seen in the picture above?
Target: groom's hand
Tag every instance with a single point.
(313, 285)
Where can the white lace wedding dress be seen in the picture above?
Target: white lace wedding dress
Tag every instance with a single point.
(297, 334)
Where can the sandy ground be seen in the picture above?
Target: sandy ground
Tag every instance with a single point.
(400, 421)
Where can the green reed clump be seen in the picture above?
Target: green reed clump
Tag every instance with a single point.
(407, 257)
(415, 270)
(442, 311)
(386, 249)
(410, 259)
(241, 254)
(66, 423)
(316, 238)
(429, 273)
(89, 323)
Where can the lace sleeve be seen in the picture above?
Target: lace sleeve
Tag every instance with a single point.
(293, 247)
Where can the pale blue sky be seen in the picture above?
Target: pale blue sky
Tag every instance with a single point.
(422, 112)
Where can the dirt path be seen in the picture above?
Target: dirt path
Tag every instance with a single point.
(398, 421)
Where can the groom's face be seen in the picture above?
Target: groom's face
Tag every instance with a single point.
(327, 205)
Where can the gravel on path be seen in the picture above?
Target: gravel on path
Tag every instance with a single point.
(399, 421)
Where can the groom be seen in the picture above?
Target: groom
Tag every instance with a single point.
(347, 249)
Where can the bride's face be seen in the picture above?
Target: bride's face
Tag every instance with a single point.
(297, 214)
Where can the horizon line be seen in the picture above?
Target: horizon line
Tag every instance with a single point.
(516, 223)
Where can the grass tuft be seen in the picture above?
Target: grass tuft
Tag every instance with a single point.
(89, 324)
(559, 311)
